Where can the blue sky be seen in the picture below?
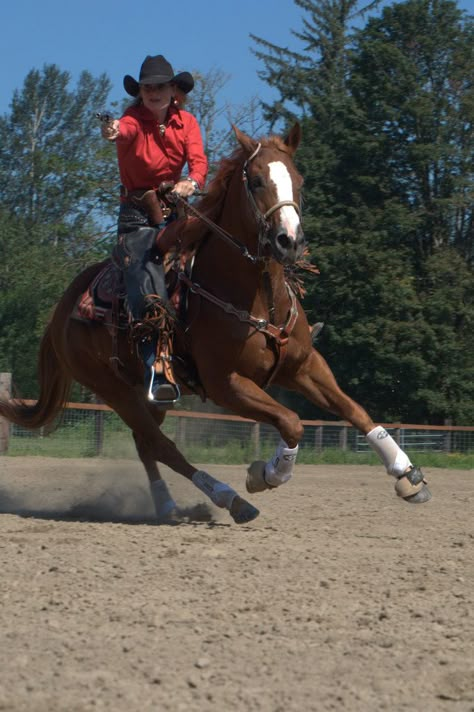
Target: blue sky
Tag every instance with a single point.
(114, 37)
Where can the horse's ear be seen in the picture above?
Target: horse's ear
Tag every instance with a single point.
(294, 137)
(247, 143)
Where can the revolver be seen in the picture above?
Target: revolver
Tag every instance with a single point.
(104, 117)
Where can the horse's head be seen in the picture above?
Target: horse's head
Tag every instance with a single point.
(273, 187)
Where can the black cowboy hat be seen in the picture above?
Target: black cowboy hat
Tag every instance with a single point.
(157, 70)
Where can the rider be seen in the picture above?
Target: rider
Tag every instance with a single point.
(155, 139)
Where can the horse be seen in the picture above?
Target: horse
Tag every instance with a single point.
(244, 328)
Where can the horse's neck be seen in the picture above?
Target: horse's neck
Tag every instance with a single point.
(221, 266)
(256, 287)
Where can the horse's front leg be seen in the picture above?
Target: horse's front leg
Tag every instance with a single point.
(315, 380)
(245, 398)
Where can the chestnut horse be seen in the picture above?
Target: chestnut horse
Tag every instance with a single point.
(244, 327)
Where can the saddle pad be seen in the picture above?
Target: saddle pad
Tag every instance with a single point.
(104, 298)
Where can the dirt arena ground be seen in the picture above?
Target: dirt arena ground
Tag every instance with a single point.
(338, 597)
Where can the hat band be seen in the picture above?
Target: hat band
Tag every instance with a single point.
(156, 79)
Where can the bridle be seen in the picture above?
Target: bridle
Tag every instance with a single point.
(261, 218)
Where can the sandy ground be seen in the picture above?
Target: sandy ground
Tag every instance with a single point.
(338, 597)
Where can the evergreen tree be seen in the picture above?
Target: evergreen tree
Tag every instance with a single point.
(412, 77)
(58, 187)
(55, 169)
(379, 331)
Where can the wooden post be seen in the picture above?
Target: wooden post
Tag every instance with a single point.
(318, 438)
(180, 433)
(5, 394)
(343, 438)
(256, 440)
(98, 429)
(448, 436)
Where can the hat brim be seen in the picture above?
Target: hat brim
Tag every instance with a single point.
(183, 80)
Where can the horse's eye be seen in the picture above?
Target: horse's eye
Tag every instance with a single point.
(256, 182)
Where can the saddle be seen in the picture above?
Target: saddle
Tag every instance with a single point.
(105, 301)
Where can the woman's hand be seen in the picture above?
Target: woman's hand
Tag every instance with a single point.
(110, 129)
(184, 188)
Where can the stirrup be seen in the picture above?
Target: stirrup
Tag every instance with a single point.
(159, 389)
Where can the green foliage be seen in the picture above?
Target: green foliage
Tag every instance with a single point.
(54, 167)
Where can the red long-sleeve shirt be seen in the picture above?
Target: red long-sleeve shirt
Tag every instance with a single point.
(146, 158)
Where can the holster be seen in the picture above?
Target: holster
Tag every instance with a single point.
(149, 203)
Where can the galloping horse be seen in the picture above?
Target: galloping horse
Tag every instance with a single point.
(243, 328)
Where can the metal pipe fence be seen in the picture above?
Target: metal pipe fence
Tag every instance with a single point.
(89, 430)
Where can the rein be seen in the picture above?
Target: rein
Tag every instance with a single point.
(218, 230)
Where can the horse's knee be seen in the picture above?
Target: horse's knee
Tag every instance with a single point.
(291, 428)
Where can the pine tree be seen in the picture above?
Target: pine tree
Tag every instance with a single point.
(363, 195)
(58, 187)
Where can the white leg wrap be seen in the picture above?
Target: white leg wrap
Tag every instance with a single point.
(221, 494)
(279, 469)
(163, 501)
(395, 460)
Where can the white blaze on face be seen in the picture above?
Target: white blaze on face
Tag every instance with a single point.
(280, 176)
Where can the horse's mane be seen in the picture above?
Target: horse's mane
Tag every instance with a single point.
(211, 204)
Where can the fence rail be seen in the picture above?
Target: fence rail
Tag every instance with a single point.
(88, 430)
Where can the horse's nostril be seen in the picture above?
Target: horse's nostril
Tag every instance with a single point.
(283, 241)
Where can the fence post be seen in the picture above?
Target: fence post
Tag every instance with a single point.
(343, 438)
(98, 429)
(318, 438)
(5, 394)
(448, 436)
(256, 440)
(180, 432)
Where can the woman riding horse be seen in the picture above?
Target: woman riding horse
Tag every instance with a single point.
(243, 328)
(155, 138)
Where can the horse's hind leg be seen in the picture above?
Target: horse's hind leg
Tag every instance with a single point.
(316, 382)
(152, 444)
(165, 506)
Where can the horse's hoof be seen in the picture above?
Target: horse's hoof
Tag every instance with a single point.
(424, 495)
(168, 515)
(411, 486)
(242, 511)
(255, 481)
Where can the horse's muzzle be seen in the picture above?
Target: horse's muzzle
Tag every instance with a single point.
(286, 249)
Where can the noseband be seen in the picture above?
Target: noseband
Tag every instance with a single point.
(262, 218)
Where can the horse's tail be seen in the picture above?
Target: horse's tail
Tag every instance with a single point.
(54, 384)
